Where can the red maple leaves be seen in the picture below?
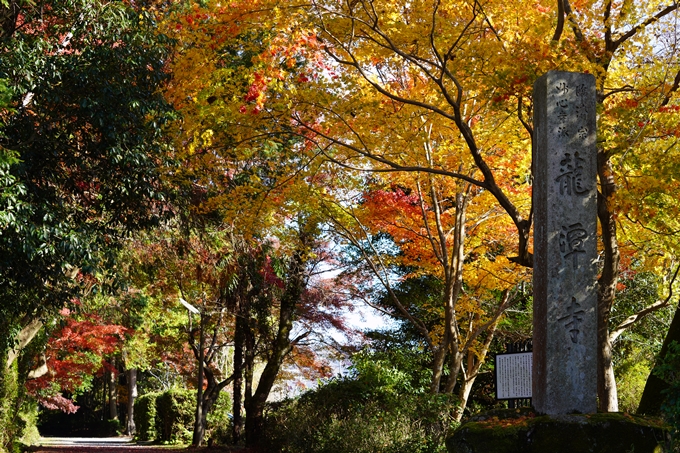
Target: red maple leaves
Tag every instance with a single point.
(74, 354)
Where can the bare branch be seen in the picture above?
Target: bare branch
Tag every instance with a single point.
(648, 228)
(572, 20)
(488, 21)
(623, 89)
(578, 33)
(607, 20)
(506, 302)
(628, 322)
(526, 125)
(650, 20)
(393, 166)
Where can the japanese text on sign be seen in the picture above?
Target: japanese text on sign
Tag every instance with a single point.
(513, 375)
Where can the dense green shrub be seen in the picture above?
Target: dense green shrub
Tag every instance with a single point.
(9, 395)
(145, 416)
(376, 409)
(637, 348)
(18, 412)
(335, 419)
(169, 417)
(175, 414)
(631, 377)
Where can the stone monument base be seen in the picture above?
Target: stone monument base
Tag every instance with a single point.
(522, 431)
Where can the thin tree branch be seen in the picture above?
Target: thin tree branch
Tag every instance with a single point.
(650, 20)
(560, 22)
(623, 89)
(379, 270)
(526, 125)
(674, 88)
(363, 152)
(506, 302)
(628, 322)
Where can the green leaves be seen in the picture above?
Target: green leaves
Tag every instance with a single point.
(81, 144)
(5, 94)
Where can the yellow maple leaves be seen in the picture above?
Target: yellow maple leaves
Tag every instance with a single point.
(439, 89)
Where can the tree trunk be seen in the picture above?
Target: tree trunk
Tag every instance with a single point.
(199, 421)
(132, 395)
(282, 345)
(207, 387)
(606, 384)
(463, 395)
(23, 338)
(237, 416)
(113, 393)
(453, 269)
(208, 398)
(248, 374)
(475, 359)
(454, 365)
(607, 393)
(437, 368)
(652, 395)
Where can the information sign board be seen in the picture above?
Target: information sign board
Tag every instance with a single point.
(513, 375)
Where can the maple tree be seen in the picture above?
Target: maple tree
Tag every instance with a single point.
(234, 160)
(241, 171)
(113, 299)
(74, 354)
(272, 75)
(248, 110)
(391, 68)
(246, 294)
(169, 268)
(445, 239)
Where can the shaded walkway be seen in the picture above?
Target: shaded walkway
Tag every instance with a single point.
(87, 441)
(117, 445)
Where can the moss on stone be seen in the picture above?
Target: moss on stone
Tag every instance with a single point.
(523, 431)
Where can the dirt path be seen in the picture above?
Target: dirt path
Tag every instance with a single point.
(130, 449)
(117, 445)
(102, 449)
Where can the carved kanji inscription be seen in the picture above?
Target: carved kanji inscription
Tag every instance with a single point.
(573, 319)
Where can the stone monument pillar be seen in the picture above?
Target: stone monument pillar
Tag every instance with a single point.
(564, 377)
